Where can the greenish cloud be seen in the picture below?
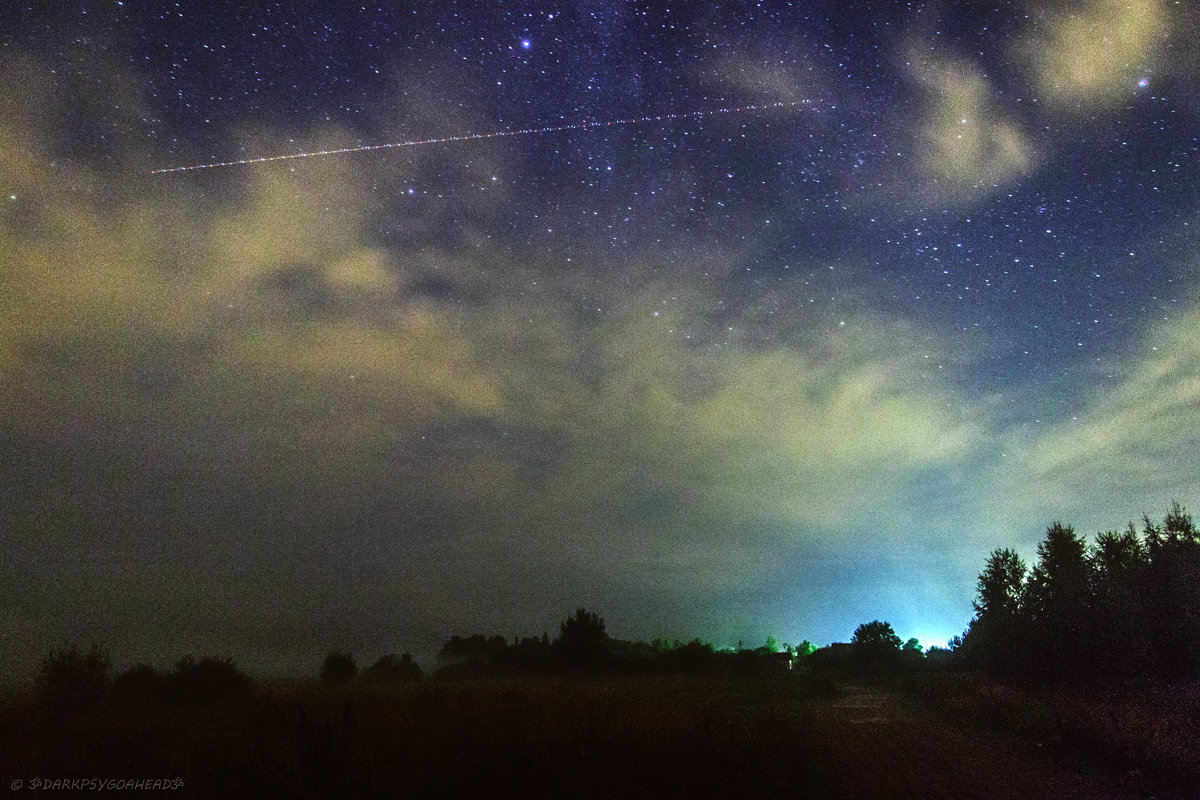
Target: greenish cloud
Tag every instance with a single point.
(1092, 54)
(968, 145)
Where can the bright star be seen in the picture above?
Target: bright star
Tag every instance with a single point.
(526, 44)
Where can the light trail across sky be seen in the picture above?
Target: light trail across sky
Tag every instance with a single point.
(578, 126)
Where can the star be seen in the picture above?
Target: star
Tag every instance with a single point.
(827, 240)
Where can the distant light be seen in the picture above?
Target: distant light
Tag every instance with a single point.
(1143, 83)
(526, 44)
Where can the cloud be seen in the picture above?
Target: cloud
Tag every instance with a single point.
(256, 374)
(1093, 57)
(1136, 438)
(967, 146)
(668, 444)
(313, 214)
(793, 437)
(291, 328)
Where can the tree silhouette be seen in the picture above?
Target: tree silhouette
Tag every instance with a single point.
(477, 650)
(140, 683)
(208, 680)
(1001, 584)
(695, 656)
(582, 640)
(1057, 600)
(1171, 593)
(70, 679)
(1178, 526)
(875, 642)
(991, 637)
(530, 654)
(393, 669)
(338, 669)
(1118, 565)
(1125, 607)
(1117, 557)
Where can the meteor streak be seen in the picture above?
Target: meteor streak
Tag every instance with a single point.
(578, 126)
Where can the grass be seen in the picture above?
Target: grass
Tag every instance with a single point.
(540, 737)
(614, 736)
(1149, 729)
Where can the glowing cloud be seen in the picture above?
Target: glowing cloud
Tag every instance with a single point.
(967, 146)
(1095, 57)
(272, 333)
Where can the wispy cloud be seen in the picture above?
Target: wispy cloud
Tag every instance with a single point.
(1133, 441)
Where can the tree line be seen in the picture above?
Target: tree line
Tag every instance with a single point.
(1126, 605)
(72, 678)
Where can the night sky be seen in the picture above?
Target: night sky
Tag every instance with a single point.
(774, 371)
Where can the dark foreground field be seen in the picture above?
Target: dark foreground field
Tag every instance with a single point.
(784, 736)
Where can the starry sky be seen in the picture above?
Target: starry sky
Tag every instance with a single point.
(774, 371)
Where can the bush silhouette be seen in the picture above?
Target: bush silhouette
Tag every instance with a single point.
(338, 669)
(70, 679)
